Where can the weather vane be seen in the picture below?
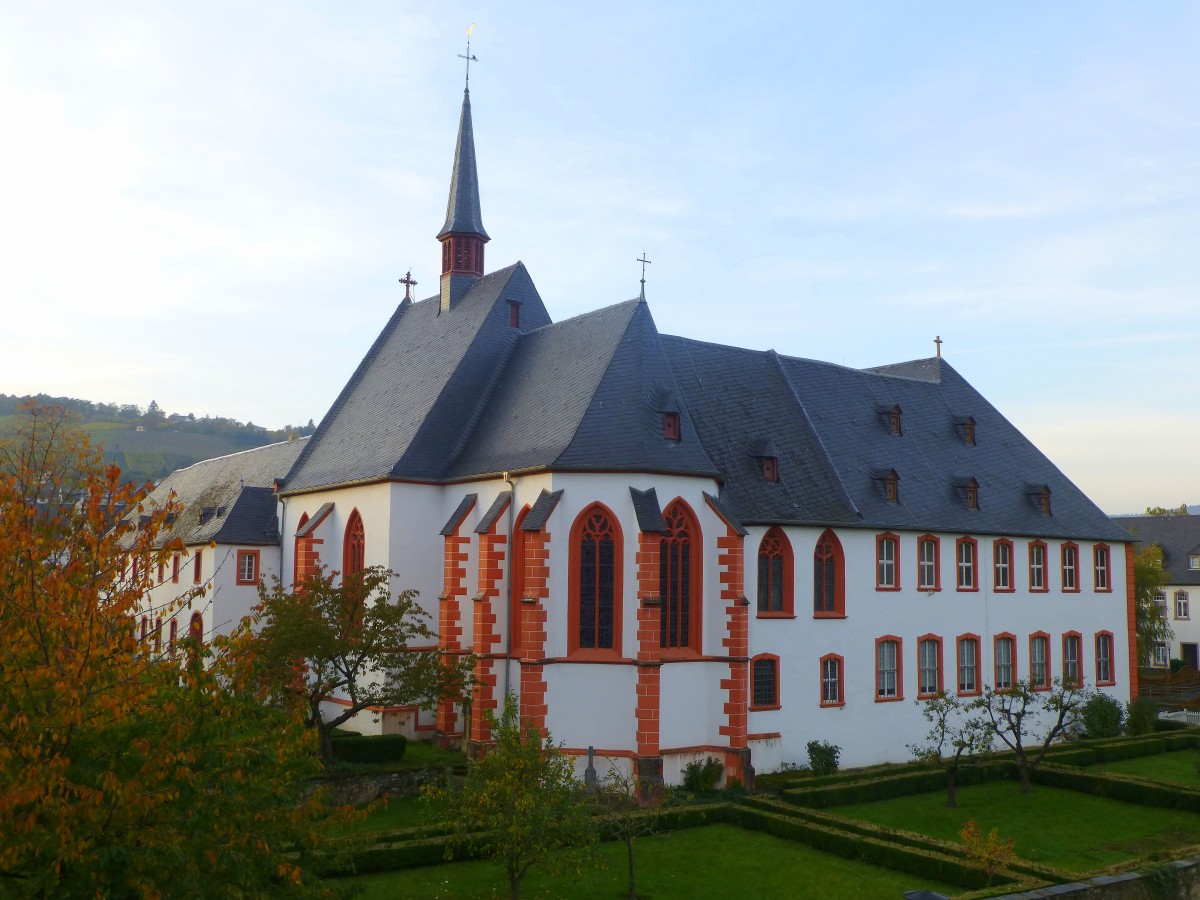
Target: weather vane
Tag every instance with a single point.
(408, 283)
(645, 262)
(467, 56)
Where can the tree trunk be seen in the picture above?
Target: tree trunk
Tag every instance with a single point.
(1023, 769)
(325, 733)
(514, 888)
(632, 889)
(952, 788)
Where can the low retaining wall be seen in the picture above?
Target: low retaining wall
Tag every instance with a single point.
(1178, 880)
(358, 789)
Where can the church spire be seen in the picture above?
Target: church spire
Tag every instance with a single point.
(462, 236)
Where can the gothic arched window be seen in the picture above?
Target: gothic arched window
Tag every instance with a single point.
(829, 576)
(775, 567)
(595, 611)
(679, 579)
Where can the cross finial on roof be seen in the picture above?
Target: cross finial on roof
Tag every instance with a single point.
(938, 344)
(467, 56)
(408, 283)
(645, 262)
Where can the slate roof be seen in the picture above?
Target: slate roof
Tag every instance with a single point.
(1179, 537)
(414, 398)
(836, 447)
(233, 494)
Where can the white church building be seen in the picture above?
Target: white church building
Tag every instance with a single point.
(672, 549)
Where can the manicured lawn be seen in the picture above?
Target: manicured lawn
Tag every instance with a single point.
(718, 861)
(1075, 832)
(1175, 768)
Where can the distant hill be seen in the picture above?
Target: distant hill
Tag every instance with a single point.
(149, 444)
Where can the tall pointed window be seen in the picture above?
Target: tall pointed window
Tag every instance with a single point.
(595, 613)
(354, 547)
(516, 585)
(775, 567)
(829, 577)
(679, 579)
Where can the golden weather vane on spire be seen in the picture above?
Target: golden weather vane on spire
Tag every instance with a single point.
(467, 56)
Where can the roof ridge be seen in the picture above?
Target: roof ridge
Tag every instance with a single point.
(348, 388)
(211, 459)
(584, 315)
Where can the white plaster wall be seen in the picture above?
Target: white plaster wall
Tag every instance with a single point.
(871, 732)
(692, 704)
(1186, 630)
(592, 705)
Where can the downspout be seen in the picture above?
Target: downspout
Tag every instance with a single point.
(512, 502)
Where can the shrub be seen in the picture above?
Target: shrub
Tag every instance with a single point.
(823, 757)
(376, 748)
(1141, 716)
(702, 777)
(1102, 716)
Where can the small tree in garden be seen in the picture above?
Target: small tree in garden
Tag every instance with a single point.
(956, 738)
(823, 757)
(986, 852)
(1013, 712)
(350, 638)
(521, 804)
(622, 817)
(1102, 716)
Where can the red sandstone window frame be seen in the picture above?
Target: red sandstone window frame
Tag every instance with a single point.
(924, 691)
(1037, 564)
(584, 524)
(966, 564)
(1105, 669)
(354, 546)
(934, 566)
(773, 702)
(959, 666)
(672, 430)
(247, 571)
(1011, 641)
(1008, 586)
(832, 671)
(196, 628)
(175, 568)
(670, 644)
(198, 566)
(895, 670)
(1067, 639)
(174, 629)
(882, 562)
(775, 545)
(1069, 558)
(299, 543)
(829, 577)
(1102, 569)
(1042, 683)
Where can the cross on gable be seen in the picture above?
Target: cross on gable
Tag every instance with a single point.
(409, 282)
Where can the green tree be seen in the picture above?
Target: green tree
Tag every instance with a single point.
(356, 640)
(1181, 510)
(1153, 626)
(621, 816)
(125, 771)
(521, 804)
(1012, 715)
(955, 739)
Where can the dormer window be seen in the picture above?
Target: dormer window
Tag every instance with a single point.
(894, 420)
(671, 426)
(972, 494)
(770, 468)
(1194, 562)
(891, 487)
(969, 431)
(1044, 501)
(514, 313)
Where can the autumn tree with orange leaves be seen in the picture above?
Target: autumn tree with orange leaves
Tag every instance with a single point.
(124, 771)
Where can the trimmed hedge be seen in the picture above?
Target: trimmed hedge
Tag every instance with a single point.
(1126, 788)
(892, 786)
(914, 861)
(373, 748)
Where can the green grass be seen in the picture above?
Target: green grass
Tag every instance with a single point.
(1174, 768)
(397, 813)
(717, 861)
(1072, 831)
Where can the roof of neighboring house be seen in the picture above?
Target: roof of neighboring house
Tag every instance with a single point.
(229, 499)
(1179, 537)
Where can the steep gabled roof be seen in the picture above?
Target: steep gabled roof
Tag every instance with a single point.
(229, 499)
(1179, 537)
(585, 393)
(414, 397)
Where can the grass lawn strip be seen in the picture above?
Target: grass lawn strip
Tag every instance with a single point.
(718, 861)
(1075, 832)
(1172, 768)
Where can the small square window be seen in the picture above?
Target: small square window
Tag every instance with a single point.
(1194, 562)
(247, 567)
(671, 426)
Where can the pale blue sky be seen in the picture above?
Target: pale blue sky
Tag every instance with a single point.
(209, 204)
